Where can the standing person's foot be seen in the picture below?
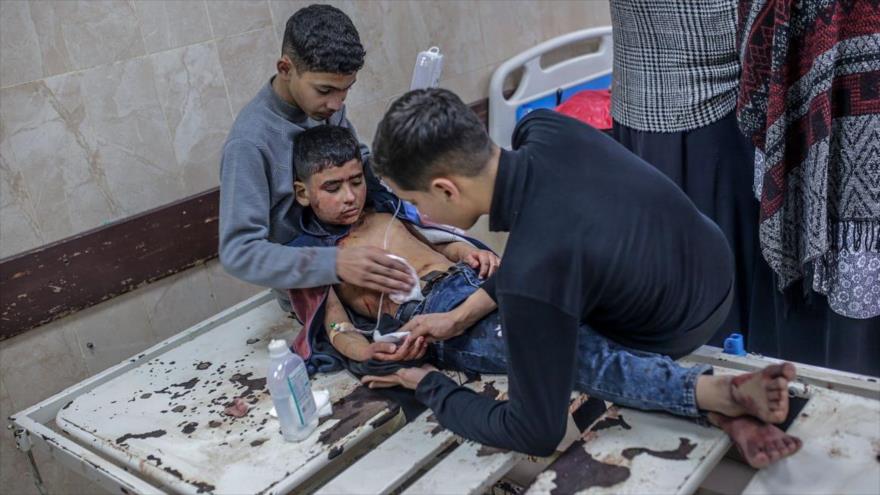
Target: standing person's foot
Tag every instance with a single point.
(762, 394)
(760, 444)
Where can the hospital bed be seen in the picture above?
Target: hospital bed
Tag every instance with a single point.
(154, 423)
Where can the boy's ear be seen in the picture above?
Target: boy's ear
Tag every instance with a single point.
(284, 66)
(445, 187)
(301, 193)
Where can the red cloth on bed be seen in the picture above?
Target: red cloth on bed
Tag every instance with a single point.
(592, 106)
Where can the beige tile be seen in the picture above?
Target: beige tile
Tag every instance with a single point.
(19, 230)
(167, 24)
(132, 138)
(230, 17)
(454, 26)
(190, 85)
(509, 27)
(81, 34)
(226, 289)
(365, 117)
(248, 61)
(281, 11)
(20, 56)
(392, 38)
(495, 240)
(564, 16)
(51, 163)
(175, 303)
(471, 86)
(40, 363)
(116, 329)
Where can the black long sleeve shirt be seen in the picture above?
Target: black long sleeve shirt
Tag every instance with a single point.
(597, 237)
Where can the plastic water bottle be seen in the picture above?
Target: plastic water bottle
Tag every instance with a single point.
(288, 383)
(429, 66)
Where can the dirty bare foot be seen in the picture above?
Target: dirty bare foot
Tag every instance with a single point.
(764, 394)
(761, 444)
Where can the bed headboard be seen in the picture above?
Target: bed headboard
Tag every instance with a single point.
(539, 86)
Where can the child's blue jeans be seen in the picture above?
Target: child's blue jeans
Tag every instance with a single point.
(605, 369)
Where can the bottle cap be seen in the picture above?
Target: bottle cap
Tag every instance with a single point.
(734, 345)
(278, 348)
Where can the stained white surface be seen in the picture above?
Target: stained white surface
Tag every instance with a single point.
(173, 406)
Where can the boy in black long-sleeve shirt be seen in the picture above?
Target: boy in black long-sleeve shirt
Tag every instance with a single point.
(598, 240)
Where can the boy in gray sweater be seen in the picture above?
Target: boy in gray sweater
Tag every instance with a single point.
(320, 57)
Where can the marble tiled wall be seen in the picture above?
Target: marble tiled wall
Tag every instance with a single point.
(109, 108)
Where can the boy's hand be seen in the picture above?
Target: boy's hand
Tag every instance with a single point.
(486, 261)
(405, 377)
(371, 268)
(407, 351)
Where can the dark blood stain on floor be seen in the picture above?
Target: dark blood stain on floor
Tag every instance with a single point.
(155, 459)
(486, 450)
(388, 416)
(335, 452)
(173, 472)
(685, 447)
(214, 423)
(179, 409)
(252, 341)
(576, 470)
(146, 395)
(149, 434)
(257, 443)
(203, 365)
(352, 411)
(611, 423)
(588, 412)
(489, 390)
(202, 487)
(250, 385)
(190, 427)
(433, 419)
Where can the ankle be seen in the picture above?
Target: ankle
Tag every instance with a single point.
(713, 394)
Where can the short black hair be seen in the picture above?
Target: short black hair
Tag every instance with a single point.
(321, 38)
(322, 147)
(427, 132)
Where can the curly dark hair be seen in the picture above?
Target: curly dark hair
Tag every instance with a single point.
(428, 132)
(318, 148)
(321, 38)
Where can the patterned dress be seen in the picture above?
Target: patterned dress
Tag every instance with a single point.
(810, 102)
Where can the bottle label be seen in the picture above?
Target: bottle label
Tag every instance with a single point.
(301, 395)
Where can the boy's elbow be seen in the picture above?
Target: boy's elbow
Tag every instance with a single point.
(232, 261)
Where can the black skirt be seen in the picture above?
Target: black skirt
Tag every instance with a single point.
(714, 166)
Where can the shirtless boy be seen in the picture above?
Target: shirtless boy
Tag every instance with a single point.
(330, 184)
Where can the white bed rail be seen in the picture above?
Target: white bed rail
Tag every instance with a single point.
(538, 82)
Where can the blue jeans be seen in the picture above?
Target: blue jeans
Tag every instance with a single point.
(605, 369)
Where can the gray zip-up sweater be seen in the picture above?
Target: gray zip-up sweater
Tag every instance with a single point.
(258, 212)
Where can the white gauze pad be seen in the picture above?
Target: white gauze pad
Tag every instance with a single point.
(414, 294)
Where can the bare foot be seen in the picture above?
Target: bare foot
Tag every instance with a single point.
(761, 444)
(764, 394)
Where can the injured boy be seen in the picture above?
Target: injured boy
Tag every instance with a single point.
(330, 184)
